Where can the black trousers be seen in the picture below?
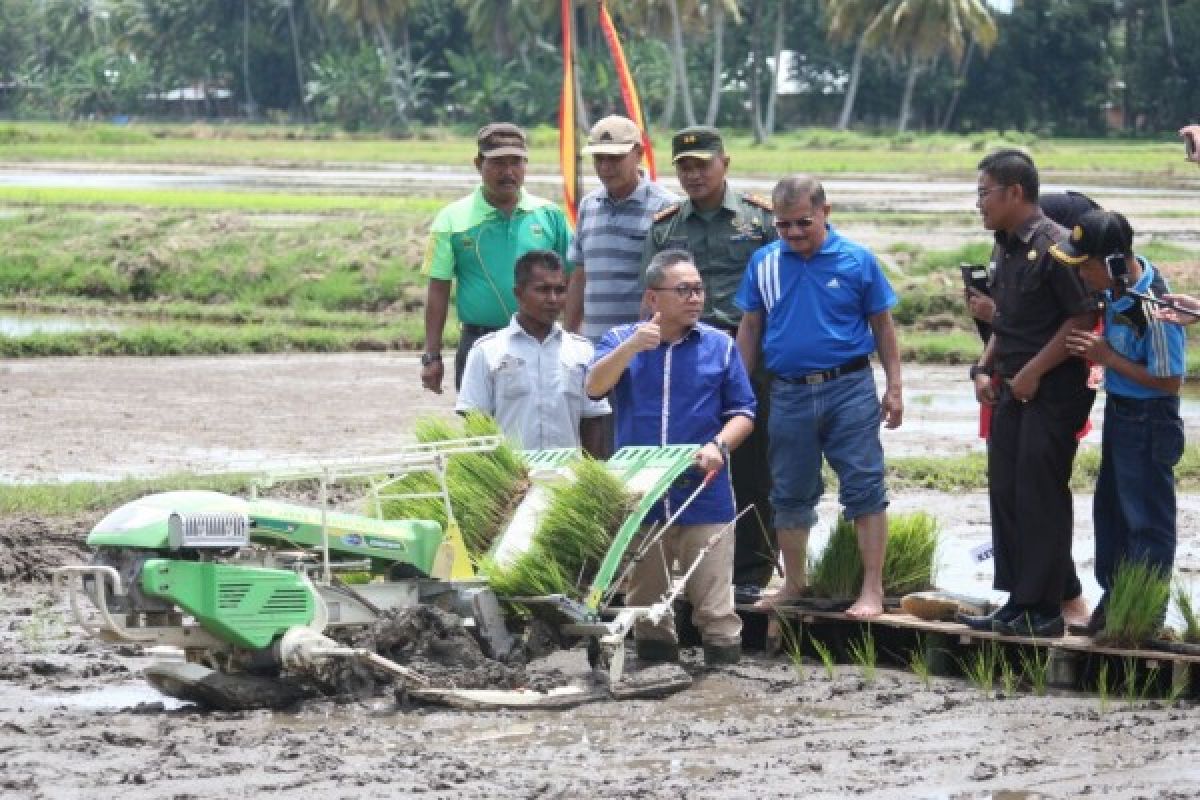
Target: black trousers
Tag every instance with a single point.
(1030, 453)
(754, 551)
(469, 335)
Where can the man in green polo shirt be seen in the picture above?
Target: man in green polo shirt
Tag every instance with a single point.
(476, 240)
(722, 228)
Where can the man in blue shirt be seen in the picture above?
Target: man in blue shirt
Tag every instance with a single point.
(1144, 363)
(676, 380)
(820, 305)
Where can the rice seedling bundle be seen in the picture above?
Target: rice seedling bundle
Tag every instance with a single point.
(1187, 610)
(573, 536)
(908, 565)
(1137, 604)
(484, 487)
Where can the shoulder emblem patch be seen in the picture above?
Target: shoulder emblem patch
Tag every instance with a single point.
(667, 212)
(758, 201)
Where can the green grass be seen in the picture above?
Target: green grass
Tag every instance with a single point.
(793, 644)
(183, 339)
(816, 150)
(908, 563)
(77, 497)
(981, 665)
(1136, 605)
(1035, 668)
(215, 200)
(826, 656)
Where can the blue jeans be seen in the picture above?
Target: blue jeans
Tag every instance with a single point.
(1134, 506)
(838, 419)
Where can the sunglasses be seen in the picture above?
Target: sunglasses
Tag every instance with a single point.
(683, 291)
(799, 224)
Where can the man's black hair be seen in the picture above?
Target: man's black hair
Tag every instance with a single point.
(1012, 168)
(546, 259)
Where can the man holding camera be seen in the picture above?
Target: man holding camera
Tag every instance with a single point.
(1144, 363)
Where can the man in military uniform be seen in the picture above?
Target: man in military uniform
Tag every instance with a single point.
(722, 228)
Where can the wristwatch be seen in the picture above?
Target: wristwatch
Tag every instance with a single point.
(977, 370)
(430, 358)
(722, 448)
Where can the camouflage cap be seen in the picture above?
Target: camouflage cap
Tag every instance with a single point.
(698, 141)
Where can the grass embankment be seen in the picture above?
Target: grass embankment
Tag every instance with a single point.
(196, 282)
(819, 151)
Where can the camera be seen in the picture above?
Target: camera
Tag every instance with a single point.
(1118, 268)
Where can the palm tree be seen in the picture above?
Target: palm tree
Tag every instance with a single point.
(917, 31)
(846, 20)
(377, 16)
(718, 10)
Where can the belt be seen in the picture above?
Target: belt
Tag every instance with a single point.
(478, 330)
(813, 378)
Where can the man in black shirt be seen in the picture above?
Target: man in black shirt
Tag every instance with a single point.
(1040, 402)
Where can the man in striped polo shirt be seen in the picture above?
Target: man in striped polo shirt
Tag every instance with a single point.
(606, 289)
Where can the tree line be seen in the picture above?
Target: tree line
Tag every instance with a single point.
(1051, 67)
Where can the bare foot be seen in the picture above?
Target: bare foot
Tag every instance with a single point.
(1076, 611)
(868, 606)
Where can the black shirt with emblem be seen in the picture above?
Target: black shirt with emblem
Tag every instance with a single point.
(1034, 294)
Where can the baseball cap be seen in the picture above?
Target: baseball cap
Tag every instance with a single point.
(1098, 234)
(1066, 208)
(698, 141)
(613, 136)
(501, 139)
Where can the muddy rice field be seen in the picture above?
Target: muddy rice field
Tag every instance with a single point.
(76, 720)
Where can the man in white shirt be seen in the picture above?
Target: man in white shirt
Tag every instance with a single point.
(530, 374)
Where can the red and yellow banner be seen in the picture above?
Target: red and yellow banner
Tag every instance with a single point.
(633, 106)
(568, 144)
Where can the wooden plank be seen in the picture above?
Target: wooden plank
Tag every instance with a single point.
(966, 635)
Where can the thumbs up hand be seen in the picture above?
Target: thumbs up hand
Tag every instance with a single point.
(648, 335)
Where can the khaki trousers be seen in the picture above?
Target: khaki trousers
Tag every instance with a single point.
(709, 590)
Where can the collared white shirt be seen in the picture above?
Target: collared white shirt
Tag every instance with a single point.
(533, 389)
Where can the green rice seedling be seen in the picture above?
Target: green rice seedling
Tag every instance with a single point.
(531, 574)
(864, 654)
(484, 488)
(826, 656)
(1131, 688)
(1187, 610)
(980, 667)
(908, 565)
(838, 570)
(580, 521)
(920, 661)
(1008, 677)
(1136, 605)
(1102, 687)
(1035, 667)
(793, 644)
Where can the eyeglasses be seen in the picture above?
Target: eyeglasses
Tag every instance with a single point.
(683, 291)
(788, 224)
(982, 193)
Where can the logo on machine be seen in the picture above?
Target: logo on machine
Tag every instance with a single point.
(385, 544)
(352, 540)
